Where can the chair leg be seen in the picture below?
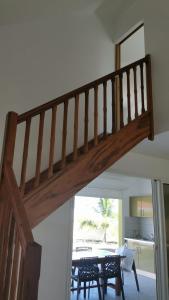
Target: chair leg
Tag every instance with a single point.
(122, 290)
(78, 289)
(103, 288)
(135, 275)
(89, 290)
(99, 290)
(85, 290)
(122, 276)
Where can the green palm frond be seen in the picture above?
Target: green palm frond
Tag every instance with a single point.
(105, 207)
(88, 223)
(104, 225)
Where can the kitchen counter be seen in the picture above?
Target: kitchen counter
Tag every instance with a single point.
(144, 253)
(140, 241)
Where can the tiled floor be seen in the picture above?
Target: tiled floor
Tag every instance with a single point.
(147, 290)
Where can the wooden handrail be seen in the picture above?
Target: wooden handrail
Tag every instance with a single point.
(44, 107)
(121, 114)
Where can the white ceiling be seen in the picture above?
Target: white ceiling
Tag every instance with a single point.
(158, 148)
(109, 10)
(17, 11)
(121, 184)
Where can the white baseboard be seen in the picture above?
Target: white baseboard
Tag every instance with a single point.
(146, 274)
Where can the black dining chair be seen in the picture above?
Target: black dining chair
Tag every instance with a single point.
(88, 272)
(110, 268)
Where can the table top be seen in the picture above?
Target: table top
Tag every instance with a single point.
(76, 255)
(96, 252)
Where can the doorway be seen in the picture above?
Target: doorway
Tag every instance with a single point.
(97, 223)
(130, 48)
(137, 231)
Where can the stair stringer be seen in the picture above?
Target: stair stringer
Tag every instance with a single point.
(76, 175)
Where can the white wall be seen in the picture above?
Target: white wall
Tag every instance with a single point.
(54, 234)
(155, 15)
(40, 60)
(45, 57)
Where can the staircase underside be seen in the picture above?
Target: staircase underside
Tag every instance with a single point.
(51, 194)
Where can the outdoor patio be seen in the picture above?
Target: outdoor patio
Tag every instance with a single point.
(147, 289)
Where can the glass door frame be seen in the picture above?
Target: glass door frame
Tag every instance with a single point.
(160, 241)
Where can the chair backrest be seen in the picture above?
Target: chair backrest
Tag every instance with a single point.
(111, 266)
(127, 262)
(88, 269)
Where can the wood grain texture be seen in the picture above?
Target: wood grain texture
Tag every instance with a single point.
(9, 139)
(121, 100)
(105, 108)
(96, 115)
(76, 121)
(14, 275)
(39, 149)
(86, 121)
(135, 91)
(78, 174)
(20, 258)
(64, 133)
(31, 272)
(142, 87)
(150, 96)
(10, 192)
(114, 108)
(52, 141)
(25, 155)
(128, 97)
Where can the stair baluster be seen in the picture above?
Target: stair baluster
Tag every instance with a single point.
(39, 149)
(52, 141)
(64, 135)
(86, 121)
(25, 155)
(96, 115)
(76, 118)
(135, 91)
(142, 87)
(121, 100)
(105, 109)
(114, 121)
(128, 96)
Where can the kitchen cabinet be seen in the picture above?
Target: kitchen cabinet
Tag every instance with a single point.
(141, 206)
(144, 255)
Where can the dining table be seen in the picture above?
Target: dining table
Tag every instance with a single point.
(100, 254)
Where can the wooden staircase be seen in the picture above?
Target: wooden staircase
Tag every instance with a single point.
(121, 116)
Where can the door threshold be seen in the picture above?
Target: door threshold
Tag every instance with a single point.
(146, 274)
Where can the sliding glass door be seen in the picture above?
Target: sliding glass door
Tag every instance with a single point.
(161, 217)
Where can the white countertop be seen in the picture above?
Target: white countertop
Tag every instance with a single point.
(140, 241)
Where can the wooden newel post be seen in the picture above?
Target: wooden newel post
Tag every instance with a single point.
(149, 96)
(31, 272)
(9, 140)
